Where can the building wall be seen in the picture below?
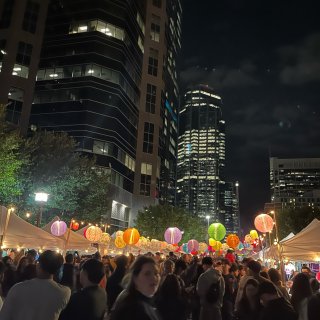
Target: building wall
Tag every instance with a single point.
(22, 26)
(201, 153)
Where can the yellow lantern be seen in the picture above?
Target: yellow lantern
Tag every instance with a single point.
(105, 238)
(119, 233)
(254, 234)
(217, 246)
(119, 243)
(203, 247)
(93, 234)
(212, 242)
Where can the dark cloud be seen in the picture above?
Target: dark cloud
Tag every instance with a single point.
(301, 63)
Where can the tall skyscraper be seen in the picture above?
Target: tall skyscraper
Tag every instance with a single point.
(201, 153)
(295, 183)
(22, 25)
(108, 77)
(155, 178)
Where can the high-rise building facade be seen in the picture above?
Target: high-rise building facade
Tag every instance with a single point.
(22, 24)
(201, 153)
(88, 85)
(295, 183)
(155, 179)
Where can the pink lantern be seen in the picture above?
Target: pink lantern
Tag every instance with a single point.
(172, 235)
(193, 245)
(263, 223)
(59, 228)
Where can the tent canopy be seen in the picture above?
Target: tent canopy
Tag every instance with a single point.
(22, 234)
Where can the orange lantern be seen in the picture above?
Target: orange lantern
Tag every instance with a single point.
(254, 234)
(263, 223)
(105, 238)
(93, 234)
(119, 243)
(131, 236)
(233, 241)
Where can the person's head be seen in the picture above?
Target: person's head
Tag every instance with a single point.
(29, 272)
(144, 276)
(315, 286)
(168, 266)
(92, 271)
(242, 270)
(179, 266)
(31, 255)
(267, 292)
(225, 266)
(69, 258)
(264, 274)
(49, 263)
(121, 262)
(234, 269)
(187, 258)
(254, 267)
(170, 287)
(23, 262)
(274, 276)
(250, 290)
(300, 289)
(7, 261)
(218, 266)
(306, 270)
(207, 263)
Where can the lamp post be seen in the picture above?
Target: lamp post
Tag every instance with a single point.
(42, 198)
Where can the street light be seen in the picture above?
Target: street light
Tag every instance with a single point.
(208, 219)
(28, 215)
(42, 198)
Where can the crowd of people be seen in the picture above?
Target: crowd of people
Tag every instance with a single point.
(151, 287)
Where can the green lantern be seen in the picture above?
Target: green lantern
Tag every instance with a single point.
(217, 231)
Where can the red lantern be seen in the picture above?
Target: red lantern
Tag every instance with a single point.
(131, 236)
(233, 241)
(263, 223)
(75, 226)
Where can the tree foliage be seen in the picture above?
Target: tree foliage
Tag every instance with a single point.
(154, 220)
(294, 220)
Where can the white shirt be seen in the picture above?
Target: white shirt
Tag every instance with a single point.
(36, 299)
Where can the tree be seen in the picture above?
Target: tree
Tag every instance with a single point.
(154, 220)
(11, 161)
(294, 220)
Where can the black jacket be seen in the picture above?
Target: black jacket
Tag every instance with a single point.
(278, 309)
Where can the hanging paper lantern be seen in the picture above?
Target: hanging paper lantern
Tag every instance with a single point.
(194, 253)
(105, 238)
(240, 246)
(217, 231)
(254, 234)
(224, 247)
(193, 245)
(210, 249)
(185, 248)
(119, 243)
(217, 245)
(131, 236)
(212, 242)
(233, 241)
(59, 228)
(75, 226)
(248, 239)
(119, 233)
(173, 235)
(263, 223)
(203, 247)
(93, 234)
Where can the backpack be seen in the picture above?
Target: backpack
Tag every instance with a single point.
(213, 292)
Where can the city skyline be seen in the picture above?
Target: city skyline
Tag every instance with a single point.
(263, 59)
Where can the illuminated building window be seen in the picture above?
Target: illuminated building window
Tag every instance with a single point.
(140, 22)
(151, 98)
(153, 62)
(20, 71)
(148, 137)
(155, 28)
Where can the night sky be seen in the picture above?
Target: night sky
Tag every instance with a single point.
(263, 58)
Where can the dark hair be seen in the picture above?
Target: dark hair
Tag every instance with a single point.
(207, 261)
(6, 259)
(226, 261)
(20, 266)
(94, 269)
(32, 254)
(307, 268)
(254, 266)
(50, 261)
(121, 261)
(267, 287)
(314, 283)
(180, 264)
(2, 267)
(274, 276)
(245, 261)
(264, 274)
(234, 267)
(244, 306)
(301, 289)
(170, 288)
(29, 272)
(136, 268)
(69, 258)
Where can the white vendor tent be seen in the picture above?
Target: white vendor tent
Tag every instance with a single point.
(75, 242)
(305, 245)
(20, 233)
